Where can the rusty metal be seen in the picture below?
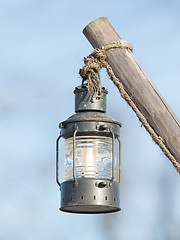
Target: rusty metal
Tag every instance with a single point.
(87, 195)
(90, 117)
(89, 102)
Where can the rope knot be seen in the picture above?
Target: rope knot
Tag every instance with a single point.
(90, 72)
(95, 61)
(100, 54)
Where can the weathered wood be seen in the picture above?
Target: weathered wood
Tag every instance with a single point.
(142, 91)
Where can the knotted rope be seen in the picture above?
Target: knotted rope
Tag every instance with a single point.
(90, 72)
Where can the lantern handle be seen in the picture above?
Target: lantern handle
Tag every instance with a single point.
(57, 160)
(74, 155)
(113, 155)
(119, 159)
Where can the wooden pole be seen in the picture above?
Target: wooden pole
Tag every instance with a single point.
(137, 84)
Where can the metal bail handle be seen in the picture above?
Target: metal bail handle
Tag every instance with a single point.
(57, 157)
(57, 160)
(74, 155)
(119, 159)
(113, 157)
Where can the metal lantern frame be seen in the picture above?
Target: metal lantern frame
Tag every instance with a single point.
(89, 195)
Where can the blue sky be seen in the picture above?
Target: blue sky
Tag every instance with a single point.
(42, 48)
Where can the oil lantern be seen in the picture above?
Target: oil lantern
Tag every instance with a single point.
(92, 156)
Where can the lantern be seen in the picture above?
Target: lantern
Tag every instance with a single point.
(92, 170)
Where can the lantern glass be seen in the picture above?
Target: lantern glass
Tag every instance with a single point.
(93, 157)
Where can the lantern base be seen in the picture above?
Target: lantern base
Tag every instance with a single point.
(90, 195)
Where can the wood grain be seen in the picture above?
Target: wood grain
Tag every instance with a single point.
(140, 88)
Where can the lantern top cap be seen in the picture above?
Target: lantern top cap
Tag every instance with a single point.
(86, 101)
(90, 117)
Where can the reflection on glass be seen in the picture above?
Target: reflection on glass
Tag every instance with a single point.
(93, 157)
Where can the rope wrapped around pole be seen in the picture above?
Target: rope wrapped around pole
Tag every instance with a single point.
(90, 72)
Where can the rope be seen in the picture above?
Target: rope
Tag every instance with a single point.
(90, 73)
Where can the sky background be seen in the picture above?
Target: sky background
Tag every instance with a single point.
(41, 50)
